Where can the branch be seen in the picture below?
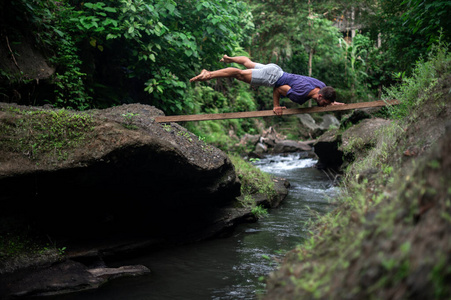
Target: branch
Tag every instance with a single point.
(12, 53)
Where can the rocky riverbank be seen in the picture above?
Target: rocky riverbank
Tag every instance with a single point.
(100, 184)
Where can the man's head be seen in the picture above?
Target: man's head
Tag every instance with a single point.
(326, 96)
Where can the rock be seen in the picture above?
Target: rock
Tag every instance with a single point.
(335, 145)
(104, 274)
(270, 141)
(154, 180)
(308, 121)
(356, 116)
(249, 139)
(261, 148)
(286, 146)
(315, 129)
(32, 62)
(326, 148)
(328, 122)
(360, 137)
(131, 185)
(68, 276)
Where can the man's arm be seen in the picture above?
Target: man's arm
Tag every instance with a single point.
(277, 93)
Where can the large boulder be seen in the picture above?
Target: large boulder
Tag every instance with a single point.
(337, 148)
(129, 175)
(326, 148)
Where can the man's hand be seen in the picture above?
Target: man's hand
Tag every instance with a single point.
(337, 103)
(278, 110)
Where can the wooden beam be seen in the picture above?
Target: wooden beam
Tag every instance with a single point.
(270, 113)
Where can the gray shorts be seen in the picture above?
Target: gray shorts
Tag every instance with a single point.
(266, 75)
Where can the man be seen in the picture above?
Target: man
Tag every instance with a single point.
(296, 87)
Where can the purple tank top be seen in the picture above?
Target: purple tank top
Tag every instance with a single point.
(300, 86)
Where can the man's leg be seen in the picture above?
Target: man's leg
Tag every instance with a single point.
(242, 75)
(242, 60)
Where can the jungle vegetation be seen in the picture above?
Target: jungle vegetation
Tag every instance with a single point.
(107, 53)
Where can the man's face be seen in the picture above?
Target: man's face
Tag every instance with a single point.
(321, 101)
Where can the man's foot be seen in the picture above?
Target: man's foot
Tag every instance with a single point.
(203, 76)
(227, 59)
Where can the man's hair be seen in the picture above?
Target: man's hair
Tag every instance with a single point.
(328, 93)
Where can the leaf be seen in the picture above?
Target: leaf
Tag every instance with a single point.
(170, 7)
(110, 9)
(131, 29)
(93, 42)
(59, 32)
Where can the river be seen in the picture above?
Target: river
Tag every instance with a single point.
(232, 267)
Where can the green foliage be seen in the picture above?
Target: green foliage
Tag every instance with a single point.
(259, 211)
(70, 89)
(207, 100)
(253, 180)
(421, 85)
(166, 40)
(406, 31)
(309, 29)
(356, 69)
(140, 50)
(429, 18)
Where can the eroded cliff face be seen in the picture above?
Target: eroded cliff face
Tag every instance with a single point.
(127, 174)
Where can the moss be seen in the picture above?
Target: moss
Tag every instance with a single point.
(253, 181)
(43, 133)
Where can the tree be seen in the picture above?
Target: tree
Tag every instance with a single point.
(429, 18)
(161, 43)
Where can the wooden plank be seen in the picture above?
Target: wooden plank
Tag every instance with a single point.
(270, 113)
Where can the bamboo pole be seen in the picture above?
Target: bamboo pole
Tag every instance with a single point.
(270, 113)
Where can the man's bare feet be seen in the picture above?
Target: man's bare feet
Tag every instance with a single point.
(203, 76)
(226, 59)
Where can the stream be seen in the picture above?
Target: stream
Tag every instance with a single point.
(232, 267)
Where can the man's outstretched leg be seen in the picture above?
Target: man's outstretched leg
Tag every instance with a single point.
(242, 60)
(242, 75)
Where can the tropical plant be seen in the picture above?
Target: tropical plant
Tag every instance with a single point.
(166, 41)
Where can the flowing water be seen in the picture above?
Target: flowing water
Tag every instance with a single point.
(229, 268)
